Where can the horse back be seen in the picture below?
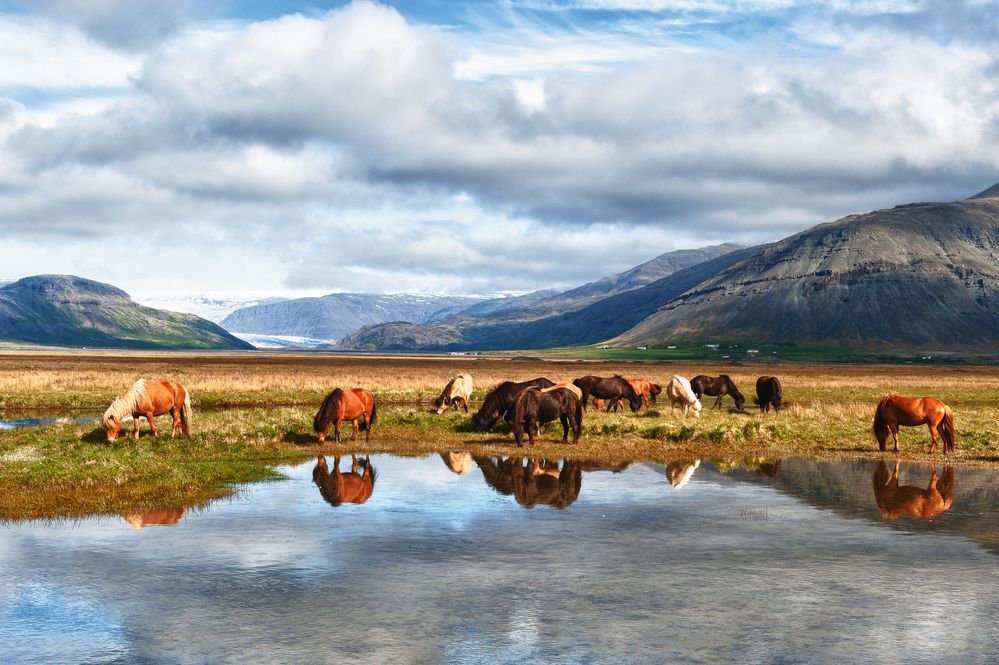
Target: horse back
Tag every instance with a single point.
(162, 396)
(354, 403)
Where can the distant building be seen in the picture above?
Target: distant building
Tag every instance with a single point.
(671, 346)
(752, 352)
(641, 348)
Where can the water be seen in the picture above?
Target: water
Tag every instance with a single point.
(791, 562)
(16, 423)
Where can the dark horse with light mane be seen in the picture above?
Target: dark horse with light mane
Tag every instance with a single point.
(532, 407)
(499, 401)
(609, 388)
(894, 410)
(354, 405)
(717, 386)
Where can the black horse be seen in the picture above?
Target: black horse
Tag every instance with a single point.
(768, 393)
(717, 387)
(611, 389)
(540, 482)
(498, 402)
(533, 407)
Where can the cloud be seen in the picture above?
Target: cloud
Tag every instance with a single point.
(358, 150)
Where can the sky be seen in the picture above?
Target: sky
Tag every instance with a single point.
(439, 146)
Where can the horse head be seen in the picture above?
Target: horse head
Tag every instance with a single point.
(112, 427)
(442, 403)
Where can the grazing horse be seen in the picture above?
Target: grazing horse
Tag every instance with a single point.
(456, 393)
(609, 388)
(459, 462)
(499, 401)
(647, 390)
(894, 501)
(894, 410)
(533, 406)
(340, 405)
(339, 488)
(149, 399)
(540, 482)
(717, 387)
(678, 390)
(768, 393)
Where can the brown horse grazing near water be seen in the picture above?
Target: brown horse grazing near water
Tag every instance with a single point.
(149, 399)
(894, 410)
(354, 405)
(339, 488)
(534, 406)
(499, 402)
(894, 501)
(717, 386)
(609, 388)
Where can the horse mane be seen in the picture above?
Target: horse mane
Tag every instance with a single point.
(325, 411)
(492, 401)
(127, 404)
(446, 393)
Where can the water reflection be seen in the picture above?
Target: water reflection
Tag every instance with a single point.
(163, 517)
(895, 500)
(679, 473)
(458, 462)
(338, 487)
(539, 481)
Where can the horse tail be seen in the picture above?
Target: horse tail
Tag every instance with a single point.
(880, 423)
(947, 429)
(185, 414)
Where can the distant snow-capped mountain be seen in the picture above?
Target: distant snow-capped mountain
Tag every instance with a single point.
(207, 306)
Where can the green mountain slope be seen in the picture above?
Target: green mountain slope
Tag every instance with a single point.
(63, 310)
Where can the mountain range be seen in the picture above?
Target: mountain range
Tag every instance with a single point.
(63, 310)
(923, 273)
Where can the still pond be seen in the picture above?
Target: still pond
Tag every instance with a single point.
(456, 559)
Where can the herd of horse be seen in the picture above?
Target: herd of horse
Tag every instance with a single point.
(527, 405)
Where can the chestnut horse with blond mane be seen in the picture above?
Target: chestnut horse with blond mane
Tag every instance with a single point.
(894, 410)
(355, 404)
(149, 399)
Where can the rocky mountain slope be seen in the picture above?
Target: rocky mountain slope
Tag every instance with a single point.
(333, 316)
(579, 316)
(921, 273)
(63, 310)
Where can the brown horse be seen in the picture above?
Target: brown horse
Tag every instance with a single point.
(164, 517)
(717, 386)
(646, 390)
(540, 482)
(339, 488)
(340, 405)
(534, 406)
(149, 399)
(894, 410)
(894, 501)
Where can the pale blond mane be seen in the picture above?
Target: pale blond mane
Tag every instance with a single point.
(571, 387)
(128, 403)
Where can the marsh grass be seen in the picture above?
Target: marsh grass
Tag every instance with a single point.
(68, 469)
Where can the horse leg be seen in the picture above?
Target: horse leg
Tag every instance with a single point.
(718, 400)
(533, 426)
(336, 429)
(175, 413)
(152, 422)
(933, 435)
(353, 463)
(135, 427)
(367, 427)
(353, 431)
(894, 433)
(565, 427)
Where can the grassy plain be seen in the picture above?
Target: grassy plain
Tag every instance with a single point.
(254, 411)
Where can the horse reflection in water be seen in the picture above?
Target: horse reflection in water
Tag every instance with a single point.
(459, 462)
(540, 481)
(338, 487)
(894, 500)
(163, 517)
(680, 472)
